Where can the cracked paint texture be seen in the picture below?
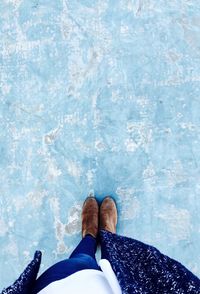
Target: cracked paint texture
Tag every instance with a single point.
(98, 97)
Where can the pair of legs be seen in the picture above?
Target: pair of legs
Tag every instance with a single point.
(93, 219)
(83, 256)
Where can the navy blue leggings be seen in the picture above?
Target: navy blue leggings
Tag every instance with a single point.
(83, 257)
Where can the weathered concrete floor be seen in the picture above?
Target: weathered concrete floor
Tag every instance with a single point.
(102, 97)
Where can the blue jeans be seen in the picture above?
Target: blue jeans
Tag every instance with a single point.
(83, 257)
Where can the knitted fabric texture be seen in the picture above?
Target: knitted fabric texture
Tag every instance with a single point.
(24, 283)
(141, 268)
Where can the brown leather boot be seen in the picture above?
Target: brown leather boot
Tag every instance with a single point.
(108, 215)
(90, 217)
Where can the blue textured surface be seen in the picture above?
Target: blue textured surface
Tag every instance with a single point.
(102, 97)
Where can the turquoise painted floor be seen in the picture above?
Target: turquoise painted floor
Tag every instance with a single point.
(98, 97)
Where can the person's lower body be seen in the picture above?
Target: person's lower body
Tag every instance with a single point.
(83, 257)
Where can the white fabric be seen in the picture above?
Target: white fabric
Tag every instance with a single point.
(87, 281)
(110, 276)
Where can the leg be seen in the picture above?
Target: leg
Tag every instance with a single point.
(88, 245)
(108, 219)
(83, 257)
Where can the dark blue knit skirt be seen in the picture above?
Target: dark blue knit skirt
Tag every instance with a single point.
(141, 268)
